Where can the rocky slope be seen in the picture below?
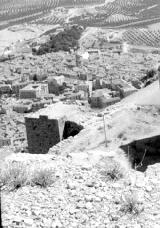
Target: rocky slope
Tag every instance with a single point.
(83, 193)
(83, 197)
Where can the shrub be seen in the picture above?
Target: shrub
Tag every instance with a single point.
(111, 169)
(120, 135)
(13, 175)
(43, 177)
(131, 205)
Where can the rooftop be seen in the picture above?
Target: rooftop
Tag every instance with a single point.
(33, 87)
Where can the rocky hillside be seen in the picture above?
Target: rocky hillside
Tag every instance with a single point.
(89, 181)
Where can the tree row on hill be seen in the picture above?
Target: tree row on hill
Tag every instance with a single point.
(65, 41)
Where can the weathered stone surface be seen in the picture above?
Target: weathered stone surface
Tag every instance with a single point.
(50, 131)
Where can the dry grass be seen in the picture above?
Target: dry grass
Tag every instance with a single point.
(43, 177)
(120, 135)
(130, 204)
(14, 175)
(110, 169)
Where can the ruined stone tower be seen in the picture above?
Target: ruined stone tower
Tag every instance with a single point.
(43, 133)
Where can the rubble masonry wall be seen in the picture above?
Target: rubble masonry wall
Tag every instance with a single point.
(43, 133)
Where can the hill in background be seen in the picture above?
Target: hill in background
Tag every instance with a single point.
(139, 20)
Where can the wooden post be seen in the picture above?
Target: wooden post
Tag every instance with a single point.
(159, 76)
(0, 208)
(105, 129)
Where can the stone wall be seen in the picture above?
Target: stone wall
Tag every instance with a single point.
(43, 133)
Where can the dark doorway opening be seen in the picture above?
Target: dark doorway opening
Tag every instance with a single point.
(71, 129)
(35, 78)
(143, 152)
